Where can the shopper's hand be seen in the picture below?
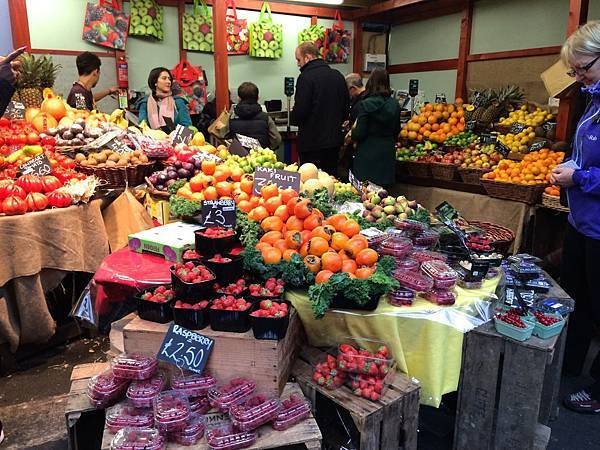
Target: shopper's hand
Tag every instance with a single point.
(10, 66)
(113, 90)
(563, 176)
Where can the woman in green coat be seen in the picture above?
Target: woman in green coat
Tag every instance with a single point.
(375, 132)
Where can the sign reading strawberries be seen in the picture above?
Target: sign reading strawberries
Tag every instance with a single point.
(218, 213)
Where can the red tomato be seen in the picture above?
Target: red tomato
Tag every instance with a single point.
(14, 205)
(36, 201)
(4, 122)
(33, 138)
(22, 139)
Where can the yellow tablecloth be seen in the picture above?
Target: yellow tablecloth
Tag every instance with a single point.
(420, 337)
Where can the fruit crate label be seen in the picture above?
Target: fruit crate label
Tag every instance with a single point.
(284, 179)
(117, 145)
(247, 141)
(218, 212)
(15, 111)
(40, 166)
(487, 138)
(470, 125)
(517, 127)
(182, 135)
(538, 146)
(502, 149)
(185, 349)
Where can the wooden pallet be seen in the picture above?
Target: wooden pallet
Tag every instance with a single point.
(390, 423)
(508, 389)
(306, 432)
(267, 362)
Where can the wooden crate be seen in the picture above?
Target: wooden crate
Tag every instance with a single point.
(306, 432)
(79, 412)
(267, 362)
(508, 389)
(390, 423)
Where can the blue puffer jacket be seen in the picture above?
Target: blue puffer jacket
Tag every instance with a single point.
(584, 197)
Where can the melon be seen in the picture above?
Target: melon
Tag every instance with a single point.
(311, 186)
(308, 171)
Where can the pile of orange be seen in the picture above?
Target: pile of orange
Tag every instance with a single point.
(327, 246)
(535, 168)
(553, 190)
(435, 122)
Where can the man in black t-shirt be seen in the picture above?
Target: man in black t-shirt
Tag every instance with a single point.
(81, 96)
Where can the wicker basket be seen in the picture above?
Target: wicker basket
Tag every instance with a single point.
(441, 171)
(501, 237)
(419, 169)
(120, 176)
(472, 175)
(516, 192)
(550, 201)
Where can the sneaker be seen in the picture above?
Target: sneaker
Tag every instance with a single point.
(582, 402)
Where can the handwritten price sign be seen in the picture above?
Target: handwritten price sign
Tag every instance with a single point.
(186, 349)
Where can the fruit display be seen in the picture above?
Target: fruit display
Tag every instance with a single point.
(533, 118)
(328, 375)
(137, 439)
(518, 142)
(272, 288)
(146, 19)
(553, 190)
(230, 303)
(110, 158)
(481, 157)
(192, 273)
(396, 245)
(443, 276)
(236, 289)
(343, 191)
(122, 415)
(133, 366)
(462, 139)
(37, 73)
(380, 206)
(254, 412)
(441, 297)
(355, 359)
(227, 437)
(191, 433)
(269, 309)
(202, 304)
(72, 133)
(32, 193)
(199, 405)
(511, 324)
(193, 385)
(159, 295)
(171, 411)
(414, 281)
(233, 393)
(412, 153)
(294, 410)
(535, 168)
(256, 158)
(401, 297)
(511, 318)
(105, 389)
(190, 255)
(488, 105)
(142, 393)
(435, 122)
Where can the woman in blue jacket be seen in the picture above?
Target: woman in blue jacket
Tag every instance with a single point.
(580, 271)
(161, 103)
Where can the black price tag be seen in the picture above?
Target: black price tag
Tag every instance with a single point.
(282, 178)
(235, 148)
(288, 86)
(413, 88)
(118, 146)
(470, 125)
(182, 135)
(538, 146)
(40, 166)
(186, 349)
(501, 148)
(487, 138)
(15, 110)
(355, 182)
(517, 127)
(549, 126)
(247, 141)
(218, 213)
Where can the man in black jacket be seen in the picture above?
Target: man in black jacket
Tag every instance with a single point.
(320, 108)
(10, 68)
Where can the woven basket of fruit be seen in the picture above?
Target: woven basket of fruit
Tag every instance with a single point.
(419, 169)
(472, 175)
(155, 192)
(441, 171)
(530, 194)
(120, 176)
(501, 238)
(553, 202)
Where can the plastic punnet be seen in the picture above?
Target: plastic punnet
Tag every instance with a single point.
(254, 412)
(138, 439)
(395, 245)
(104, 389)
(414, 281)
(171, 411)
(228, 438)
(142, 393)
(444, 277)
(134, 366)
(125, 415)
(233, 393)
(294, 410)
(193, 385)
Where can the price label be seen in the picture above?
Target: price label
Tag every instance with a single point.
(501, 148)
(355, 182)
(282, 178)
(470, 125)
(40, 166)
(235, 148)
(203, 156)
(517, 127)
(538, 146)
(118, 146)
(478, 100)
(440, 98)
(247, 141)
(549, 126)
(218, 213)
(182, 135)
(186, 349)
(103, 140)
(487, 138)
(15, 110)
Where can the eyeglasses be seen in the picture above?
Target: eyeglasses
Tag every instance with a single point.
(582, 70)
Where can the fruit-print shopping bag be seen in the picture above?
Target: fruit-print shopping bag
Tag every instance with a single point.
(238, 41)
(197, 29)
(146, 19)
(266, 37)
(338, 42)
(315, 34)
(105, 24)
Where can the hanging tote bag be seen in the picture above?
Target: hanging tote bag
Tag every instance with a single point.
(238, 41)
(105, 24)
(315, 34)
(266, 37)
(338, 42)
(146, 19)
(186, 74)
(197, 29)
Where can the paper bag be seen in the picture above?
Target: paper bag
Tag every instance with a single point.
(123, 217)
(220, 127)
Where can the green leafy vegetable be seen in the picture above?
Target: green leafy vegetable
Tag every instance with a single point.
(248, 230)
(295, 273)
(176, 186)
(383, 225)
(253, 262)
(346, 196)
(181, 207)
(320, 200)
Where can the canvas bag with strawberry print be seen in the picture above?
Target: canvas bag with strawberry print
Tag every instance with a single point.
(266, 37)
(238, 41)
(146, 19)
(197, 29)
(338, 42)
(105, 24)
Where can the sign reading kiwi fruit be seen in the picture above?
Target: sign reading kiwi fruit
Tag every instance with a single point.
(284, 179)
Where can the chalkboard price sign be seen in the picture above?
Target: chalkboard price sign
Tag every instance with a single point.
(15, 110)
(284, 179)
(538, 146)
(218, 213)
(247, 141)
(185, 348)
(517, 127)
(501, 148)
(487, 138)
(118, 146)
(182, 135)
(40, 166)
(470, 125)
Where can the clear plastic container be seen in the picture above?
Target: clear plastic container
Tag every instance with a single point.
(414, 281)
(254, 412)
(328, 375)
(444, 277)
(233, 393)
(375, 361)
(469, 284)
(134, 366)
(294, 410)
(426, 239)
(396, 246)
(171, 411)
(409, 264)
(441, 297)
(200, 405)
(427, 255)
(410, 225)
(105, 389)
(138, 439)
(525, 270)
(193, 385)
(126, 415)
(401, 297)
(368, 387)
(142, 393)
(192, 433)
(228, 438)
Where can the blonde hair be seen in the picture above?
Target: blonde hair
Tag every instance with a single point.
(584, 41)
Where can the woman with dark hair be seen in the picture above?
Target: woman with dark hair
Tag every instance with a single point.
(161, 103)
(375, 131)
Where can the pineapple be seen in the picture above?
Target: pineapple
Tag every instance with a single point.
(506, 96)
(486, 97)
(36, 74)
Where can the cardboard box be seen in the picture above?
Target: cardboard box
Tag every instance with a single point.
(170, 240)
(158, 209)
(556, 79)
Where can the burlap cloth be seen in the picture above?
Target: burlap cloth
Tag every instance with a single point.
(37, 250)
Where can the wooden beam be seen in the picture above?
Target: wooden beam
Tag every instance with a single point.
(578, 12)
(19, 23)
(49, 51)
(464, 48)
(387, 7)
(524, 53)
(415, 13)
(313, 20)
(357, 58)
(220, 56)
(426, 66)
(180, 13)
